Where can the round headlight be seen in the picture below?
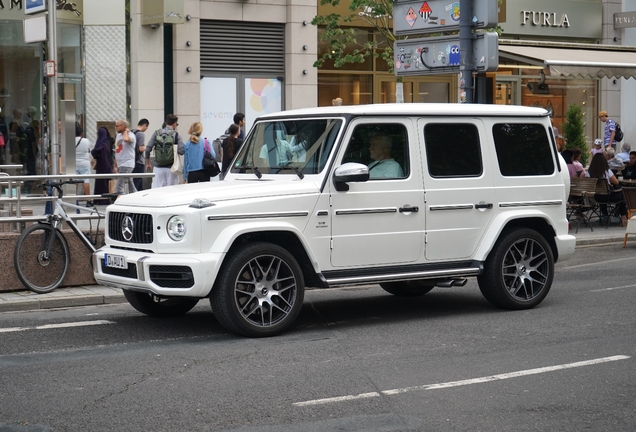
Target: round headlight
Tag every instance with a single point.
(176, 228)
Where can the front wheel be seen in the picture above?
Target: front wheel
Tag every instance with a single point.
(259, 290)
(519, 270)
(38, 269)
(154, 306)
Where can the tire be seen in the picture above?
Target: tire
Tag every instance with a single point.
(162, 307)
(519, 270)
(259, 291)
(406, 288)
(37, 272)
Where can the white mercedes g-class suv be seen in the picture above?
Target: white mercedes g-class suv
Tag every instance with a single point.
(408, 196)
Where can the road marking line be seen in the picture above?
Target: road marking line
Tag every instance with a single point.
(464, 382)
(597, 263)
(55, 326)
(613, 288)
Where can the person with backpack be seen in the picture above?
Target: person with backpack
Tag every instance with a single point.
(140, 158)
(217, 144)
(163, 141)
(612, 134)
(231, 146)
(125, 143)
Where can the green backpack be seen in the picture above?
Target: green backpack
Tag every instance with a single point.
(164, 151)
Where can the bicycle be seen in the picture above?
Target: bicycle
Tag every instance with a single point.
(42, 254)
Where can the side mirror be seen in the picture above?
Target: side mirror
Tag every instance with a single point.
(349, 172)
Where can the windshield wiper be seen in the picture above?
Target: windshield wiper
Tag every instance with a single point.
(257, 173)
(291, 167)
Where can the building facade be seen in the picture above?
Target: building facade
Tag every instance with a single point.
(90, 70)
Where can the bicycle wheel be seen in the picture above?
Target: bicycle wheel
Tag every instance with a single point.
(39, 273)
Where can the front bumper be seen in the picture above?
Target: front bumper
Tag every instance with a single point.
(183, 275)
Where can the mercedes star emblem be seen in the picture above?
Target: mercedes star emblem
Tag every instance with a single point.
(127, 228)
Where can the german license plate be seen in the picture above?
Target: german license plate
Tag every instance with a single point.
(115, 261)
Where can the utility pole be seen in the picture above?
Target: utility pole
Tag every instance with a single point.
(466, 51)
(52, 89)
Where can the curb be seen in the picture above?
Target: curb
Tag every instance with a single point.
(601, 241)
(30, 301)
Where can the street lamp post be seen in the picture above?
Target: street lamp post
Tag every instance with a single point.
(52, 89)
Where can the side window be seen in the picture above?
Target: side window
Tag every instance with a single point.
(452, 150)
(522, 149)
(382, 147)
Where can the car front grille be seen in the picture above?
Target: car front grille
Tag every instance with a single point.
(142, 232)
(170, 276)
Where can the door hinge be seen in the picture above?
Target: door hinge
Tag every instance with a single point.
(425, 238)
(330, 200)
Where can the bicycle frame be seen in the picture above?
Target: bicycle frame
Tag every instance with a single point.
(59, 215)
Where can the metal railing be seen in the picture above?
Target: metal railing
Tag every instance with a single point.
(17, 200)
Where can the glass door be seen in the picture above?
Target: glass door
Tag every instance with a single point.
(416, 89)
(507, 91)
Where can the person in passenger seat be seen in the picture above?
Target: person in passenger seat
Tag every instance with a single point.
(383, 165)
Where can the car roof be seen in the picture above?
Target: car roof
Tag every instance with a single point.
(414, 109)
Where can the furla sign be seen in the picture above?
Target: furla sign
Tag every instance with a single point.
(553, 19)
(548, 19)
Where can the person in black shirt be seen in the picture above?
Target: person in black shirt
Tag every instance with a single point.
(629, 172)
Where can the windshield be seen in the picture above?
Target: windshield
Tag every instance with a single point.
(288, 147)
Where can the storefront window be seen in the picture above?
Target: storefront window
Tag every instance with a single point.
(20, 98)
(68, 49)
(353, 89)
(556, 94)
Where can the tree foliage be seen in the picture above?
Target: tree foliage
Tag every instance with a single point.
(344, 46)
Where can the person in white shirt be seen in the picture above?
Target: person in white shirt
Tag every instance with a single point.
(82, 156)
(125, 144)
(383, 165)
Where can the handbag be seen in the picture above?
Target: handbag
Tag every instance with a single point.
(177, 165)
(2, 143)
(209, 162)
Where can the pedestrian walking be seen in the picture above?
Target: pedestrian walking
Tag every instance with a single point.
(193, 171)
(125, 143)
(140, 147)
(163, 142)
(102, 155)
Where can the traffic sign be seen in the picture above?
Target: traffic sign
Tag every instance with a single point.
(434, 16)
(440, 55)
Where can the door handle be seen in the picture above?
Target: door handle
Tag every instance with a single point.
(409, 209)
(483, 205)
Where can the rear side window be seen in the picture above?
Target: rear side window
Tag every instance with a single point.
(523, 149)
(452, 150)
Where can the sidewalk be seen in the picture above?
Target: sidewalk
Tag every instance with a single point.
(97, 295)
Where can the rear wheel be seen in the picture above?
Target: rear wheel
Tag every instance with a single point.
(519, 270)
(38, 270)
(407, 288)
(155, 306)
(259, 290)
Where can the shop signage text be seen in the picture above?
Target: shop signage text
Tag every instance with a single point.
(12, 4)
(624, 20)
(548, 19)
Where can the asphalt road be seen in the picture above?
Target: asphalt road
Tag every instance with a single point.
(358, 359)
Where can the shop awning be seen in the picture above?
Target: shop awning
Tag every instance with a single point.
(572, 62)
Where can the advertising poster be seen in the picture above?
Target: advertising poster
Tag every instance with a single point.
(33, 6)
(262, 96)
(218, 105)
